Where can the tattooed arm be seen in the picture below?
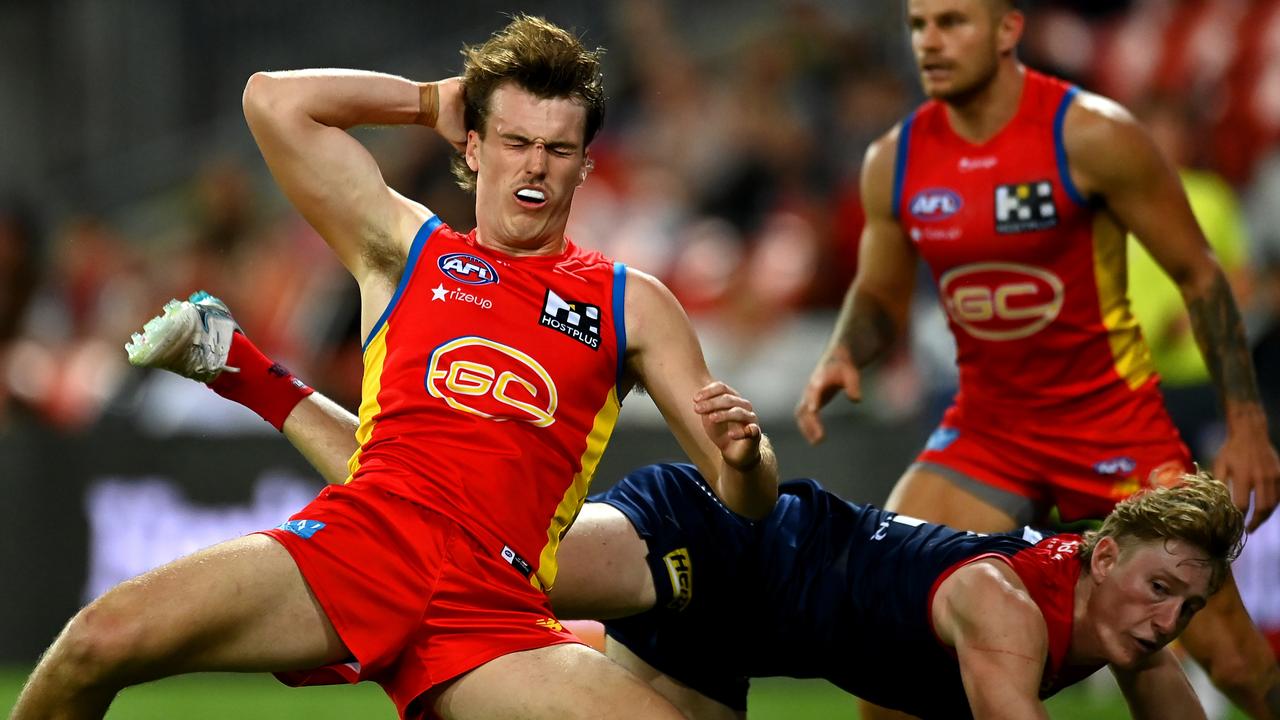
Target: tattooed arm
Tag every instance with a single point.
(875, 308)
(1114, 160)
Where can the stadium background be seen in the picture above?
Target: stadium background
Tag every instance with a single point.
(727, 167)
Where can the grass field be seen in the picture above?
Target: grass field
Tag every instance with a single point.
(259, 697)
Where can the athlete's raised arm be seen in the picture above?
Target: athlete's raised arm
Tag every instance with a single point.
(984, 611)
(875, 308)
(1115, 161)
(1158, 690)
(300, 120)
(716, 427)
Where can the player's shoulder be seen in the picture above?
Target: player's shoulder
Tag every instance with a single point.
(879, 162)
(988, 590)
(587, 257)
(651, 308)
(1094, 119)
(885, 147)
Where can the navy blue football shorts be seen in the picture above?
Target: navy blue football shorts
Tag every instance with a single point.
(697, 552)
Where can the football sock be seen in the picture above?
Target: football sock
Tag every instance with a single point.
(262, 385)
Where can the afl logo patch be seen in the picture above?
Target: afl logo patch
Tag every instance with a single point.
(468, 269)
(935, 204)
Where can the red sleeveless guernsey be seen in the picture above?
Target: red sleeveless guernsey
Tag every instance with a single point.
(490, 389)
(1032, 277)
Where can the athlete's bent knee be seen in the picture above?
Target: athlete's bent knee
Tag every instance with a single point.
(101, 647)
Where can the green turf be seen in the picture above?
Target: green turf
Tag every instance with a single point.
(259, 697)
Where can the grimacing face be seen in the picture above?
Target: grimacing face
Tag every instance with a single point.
(956, 45)
(1145, 594)
(529, 162)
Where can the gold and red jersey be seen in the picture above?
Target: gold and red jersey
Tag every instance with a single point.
(1031, 273)
(491, 389)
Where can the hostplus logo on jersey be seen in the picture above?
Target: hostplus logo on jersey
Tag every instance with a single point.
(1024, 207)
(468, 269)
(578, 320)
(935, 204)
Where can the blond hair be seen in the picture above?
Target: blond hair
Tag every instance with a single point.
(1197, 510)
(540, 58)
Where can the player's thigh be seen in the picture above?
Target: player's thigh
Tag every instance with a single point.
(561, 682)
(603, 572)
(693, 704)
(929, 495)
(241, 605)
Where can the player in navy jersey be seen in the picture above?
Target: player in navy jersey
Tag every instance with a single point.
(1018, 190)
(911, 615)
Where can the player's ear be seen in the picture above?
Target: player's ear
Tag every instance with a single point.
(1009, 31)
(588, 164)
(473, 147)
(1106, 554)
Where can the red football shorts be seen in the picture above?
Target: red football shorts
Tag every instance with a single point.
(415, 597)
(1084, 474)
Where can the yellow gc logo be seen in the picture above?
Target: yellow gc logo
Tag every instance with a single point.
(1001, 301)
(481, 377)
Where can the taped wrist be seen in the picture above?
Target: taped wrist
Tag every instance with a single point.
(428, 104)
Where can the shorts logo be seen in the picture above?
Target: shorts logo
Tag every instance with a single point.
(517, 562)
(1024, 207)
(1001, 301)
(1115, 466)
(680, 570)
(481, 377)
(935, 204)
(941, 438)
(467, 269)
(302, 528)
(551, 624)
(578, 320)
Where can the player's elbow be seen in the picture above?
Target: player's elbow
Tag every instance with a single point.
(263, 95)
(1198, 277)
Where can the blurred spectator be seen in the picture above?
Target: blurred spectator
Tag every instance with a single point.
(19, 272)
(65, 364)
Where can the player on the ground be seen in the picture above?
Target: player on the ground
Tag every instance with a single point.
(481, 422)
(1017, 189)
(914, 616)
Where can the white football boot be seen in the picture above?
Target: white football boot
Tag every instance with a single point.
(191, 337)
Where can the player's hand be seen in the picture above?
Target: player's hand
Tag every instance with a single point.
(1248, 465)
(834, 371)
(731, 423)
(449, 120)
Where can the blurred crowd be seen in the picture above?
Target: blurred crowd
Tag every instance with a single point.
(727, 167)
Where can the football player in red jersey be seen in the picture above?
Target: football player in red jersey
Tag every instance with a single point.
(997, 623)
(1018, 190)
(481, 421)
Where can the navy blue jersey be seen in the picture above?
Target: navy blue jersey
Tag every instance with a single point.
(819, 588)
